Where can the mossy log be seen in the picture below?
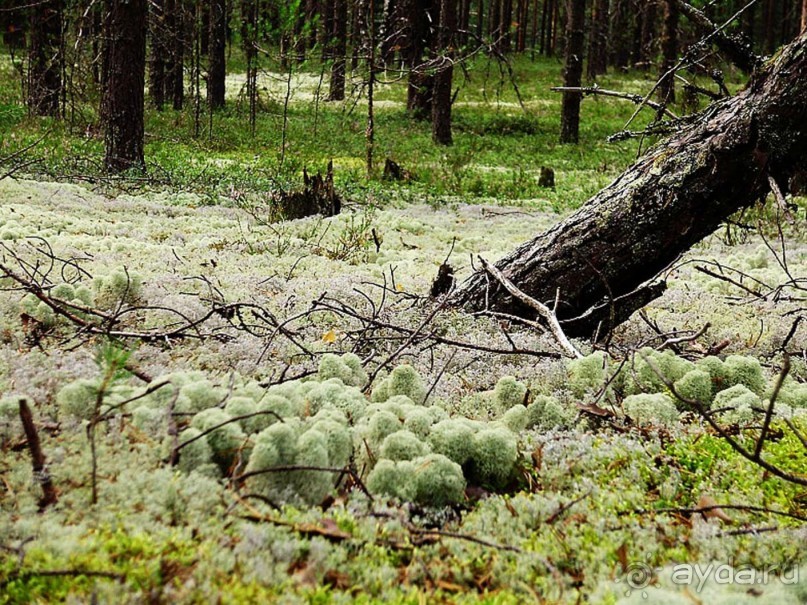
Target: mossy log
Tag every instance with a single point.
(600, 260)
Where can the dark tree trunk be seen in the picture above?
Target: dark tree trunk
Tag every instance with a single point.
(505, 19)
(441, 99)
(670, 199)
(494, 22)
(45, 58)
(421, 14)
(159, 54)
(669, 52)
(647, 50)
(339, 41)
(770, 26)
(573, 72)
(597, 40)
(124, 83)
(620, 39)
(176, 24)
(216, 67)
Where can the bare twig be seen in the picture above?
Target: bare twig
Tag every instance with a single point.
(544, 311)
(41, 474)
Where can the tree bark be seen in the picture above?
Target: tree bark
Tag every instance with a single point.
(441, 98)
(45, 58)
(669, 52)
(158, 59)
(597, 40)
(124, 83)
(803, 16)
(573, 73)
(598, 260)
(216, 68)
(336, 91)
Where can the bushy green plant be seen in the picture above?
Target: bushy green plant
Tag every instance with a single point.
(545, 412)
(695, 385)
(338, 438)
(197, 455)
(516, 418)
(199, 395)
(347, 368)
(224, 441)
(312, 450)
(651, 409)
(438, 480)
(641, 377)
(116, 288)
(244, 406)
(717, 371)
(745, 371)
(334, 393)
(454, 439)
(78, 398)
(588, 374)
(403, 445)
(393, 479)
(507, 393)
(495, 451)
(419, 421)
(403, 380)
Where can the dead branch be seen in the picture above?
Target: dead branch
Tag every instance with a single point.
(545, 312)
(41, 475)
(597, 91)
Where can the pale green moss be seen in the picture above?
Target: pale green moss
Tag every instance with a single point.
(588, 374)
(641, 377)
(346, 368)
(403, 445)
(651, 409)
(393, 479)
(745, 371)
(78, 398)
(453, 438)
(507, 393)
(244, 406)
(116, 288)
(545, 412)
(717, 371)
(695, 385)
(225, 441)
(419, 421)
(516, 418)
(495, 451)
(403, 380)
(196, 456)
(338, 440)
(438, 480)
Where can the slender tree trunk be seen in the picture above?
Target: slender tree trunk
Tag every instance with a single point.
(216, 68)
(421, 83)
(505, 21)
(177, 27)
(159, 52)
(337, 86)
(124, 84)
(573, 72)
(45, 59)
(669, 52)
(597, 40)
(803, 27)
(598, 260)
(647, 51)
(620, 38)
(441, 100)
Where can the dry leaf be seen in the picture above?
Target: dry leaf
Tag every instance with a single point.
(330, 336)
(713, 513)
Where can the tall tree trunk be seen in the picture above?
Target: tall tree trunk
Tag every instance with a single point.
(339, 41)
(597, 40)
(669, 52)
(803, 27)
(176, 23)
(216, 67)
(505, 21)
(45, 59)
(573, 72)
(441, 99)
(620, 39)
(419, 36)
(159, 53)
(647, 51)
(598, 260)
(124, 83)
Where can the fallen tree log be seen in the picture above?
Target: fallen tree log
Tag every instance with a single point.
(598, 262)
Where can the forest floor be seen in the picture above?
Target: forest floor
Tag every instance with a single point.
(518, 476)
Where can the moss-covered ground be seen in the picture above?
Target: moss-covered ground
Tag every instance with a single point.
(492, 477)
